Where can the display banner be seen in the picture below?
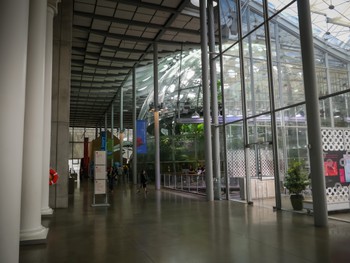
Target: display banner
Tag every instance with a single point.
(103, 141)
(141, 130)
(336, 167)
(109, 147)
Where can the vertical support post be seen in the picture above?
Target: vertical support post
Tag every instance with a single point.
(313, 117)
(227, 178)
(206, 101)
(112, 132)
(156, 116)
(244, 105)
(329, 85)
(134, 131)
(121, 134)
(272, 108)
(214, 103)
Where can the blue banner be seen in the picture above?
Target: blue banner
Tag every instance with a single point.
(103, 141)
(141, 132)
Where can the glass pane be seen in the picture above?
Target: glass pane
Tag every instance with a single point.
(338, 80)
(235, 160)
(292, 145)
(325, 113)
(286, 61)
(259, 129)
(229, 23)
(321, 80)
(276, 5)
(251, 15)
(340, 110)
(232, 86)
(255, 73)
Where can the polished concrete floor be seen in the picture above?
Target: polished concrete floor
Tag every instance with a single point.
(166, 226)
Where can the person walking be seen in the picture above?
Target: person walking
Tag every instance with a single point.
(111, 175)
(144, 181)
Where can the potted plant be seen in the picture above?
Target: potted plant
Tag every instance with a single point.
(296, 181)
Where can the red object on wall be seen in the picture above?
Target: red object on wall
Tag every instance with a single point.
(53, 177)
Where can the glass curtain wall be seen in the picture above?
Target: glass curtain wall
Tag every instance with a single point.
(256, 95)
(332, 71)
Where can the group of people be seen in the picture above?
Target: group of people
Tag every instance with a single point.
(200, 170)
(116, 172)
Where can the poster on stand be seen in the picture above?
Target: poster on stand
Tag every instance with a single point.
(100, 187)
(100, 157)
(100, 172)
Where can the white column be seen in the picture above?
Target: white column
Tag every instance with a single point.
(31, 228)
(51, 11)
(13, 53)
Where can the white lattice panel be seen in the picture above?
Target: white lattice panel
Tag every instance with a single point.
(252, 162)
(266, 162)
(337, 194)
(333, 139)
(346, 140)
(235, 163)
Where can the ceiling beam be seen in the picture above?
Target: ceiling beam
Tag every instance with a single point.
(136, 23)
(134, 38)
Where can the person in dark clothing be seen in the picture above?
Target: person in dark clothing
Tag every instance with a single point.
(111, 179)
(144, 180)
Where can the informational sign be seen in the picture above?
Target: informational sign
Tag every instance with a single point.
(100, 158)
(100, 180)
(141, 130)
(100, 172)
(100, 187)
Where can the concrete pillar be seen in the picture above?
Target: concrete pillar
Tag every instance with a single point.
(51, 11)
(13, 52)
(62, 42)
(313, 115)
(31, 228)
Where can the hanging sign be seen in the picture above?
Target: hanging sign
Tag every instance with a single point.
(141, 131)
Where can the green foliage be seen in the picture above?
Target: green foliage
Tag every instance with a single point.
(192, 129)
(297, 179)
(219, 91)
